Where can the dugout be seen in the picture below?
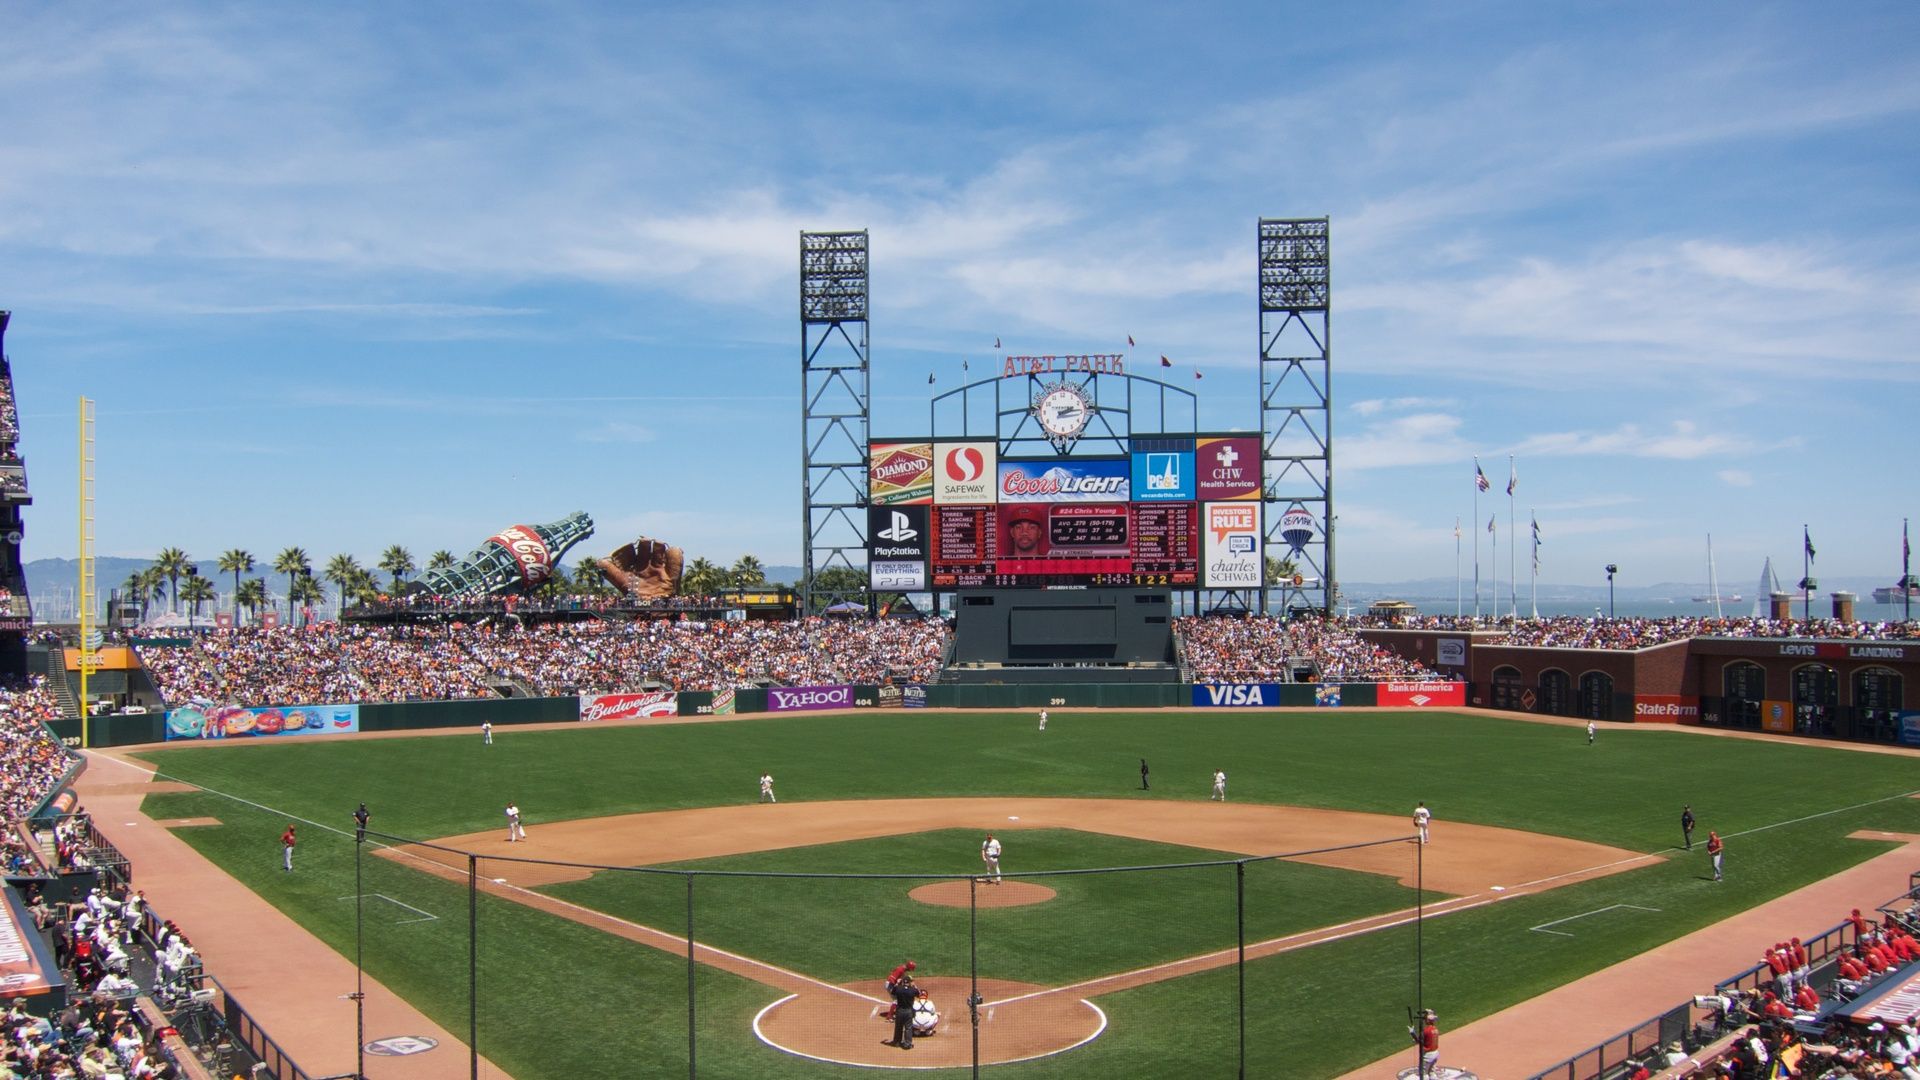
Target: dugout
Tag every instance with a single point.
(1063, 635)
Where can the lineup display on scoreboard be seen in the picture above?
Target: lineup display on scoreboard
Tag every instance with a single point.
(1065, 544)
(1151, 517)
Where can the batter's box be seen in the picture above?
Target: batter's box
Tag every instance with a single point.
(424, 916)
(1542, 928)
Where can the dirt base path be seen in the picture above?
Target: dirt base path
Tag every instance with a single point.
(292, 983)
(1473, 864)
(1522, 1040)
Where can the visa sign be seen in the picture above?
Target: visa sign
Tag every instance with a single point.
(1239, 695)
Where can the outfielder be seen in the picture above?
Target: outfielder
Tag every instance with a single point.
(1589, 733)
(990, 854)
(1043, 719)
(766, 788)
(1219, 786)
(486, 733)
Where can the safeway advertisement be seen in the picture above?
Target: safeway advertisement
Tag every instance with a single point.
(1422, 695)
(629, 706)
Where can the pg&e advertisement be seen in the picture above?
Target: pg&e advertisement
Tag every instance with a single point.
(206, 720)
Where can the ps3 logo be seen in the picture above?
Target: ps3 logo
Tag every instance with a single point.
(965, 465)
(899, 531)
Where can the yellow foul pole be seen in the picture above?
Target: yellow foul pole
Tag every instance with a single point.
(89, 602)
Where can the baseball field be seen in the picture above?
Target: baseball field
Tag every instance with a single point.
(1550, 859)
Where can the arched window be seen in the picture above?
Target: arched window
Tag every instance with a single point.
(1556, 692)
(1596, 696)
(1743, 687)
(1877, 694)
(1816, 697)
(1506, 687)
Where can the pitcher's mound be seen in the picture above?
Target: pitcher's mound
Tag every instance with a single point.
(962, 894)
(843, 1025)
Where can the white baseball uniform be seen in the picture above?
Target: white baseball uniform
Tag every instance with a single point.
(990, 854)
(514, 831)
(1219, 786)
(1043, 719)
(766, 788)
(1420, 817)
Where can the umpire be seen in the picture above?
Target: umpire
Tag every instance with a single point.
(904, 995)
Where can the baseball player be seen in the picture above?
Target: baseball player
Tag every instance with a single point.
(1421, 815)
(766, 788)
(486, 733)
(1043, 719)
(990, 854)
(1589, 733)
(1715, 848)
(1427, 1035)
(514, 831)
(286, 849)
(1219, 786)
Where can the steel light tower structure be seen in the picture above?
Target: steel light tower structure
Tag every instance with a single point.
(836, 414)
(1296, 405)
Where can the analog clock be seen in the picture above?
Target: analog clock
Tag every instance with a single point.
(1062, 410)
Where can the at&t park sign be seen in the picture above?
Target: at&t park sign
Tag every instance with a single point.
(1096, 363)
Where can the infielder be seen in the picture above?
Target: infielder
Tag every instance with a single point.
(514, 831)
(990, 854)
(1421, 815)
(1219, 786)
(766, 788)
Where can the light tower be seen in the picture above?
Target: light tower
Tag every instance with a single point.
(836, 415)
(1296, 405)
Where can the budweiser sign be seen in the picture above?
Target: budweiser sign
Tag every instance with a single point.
(629, 706)
(529, 553)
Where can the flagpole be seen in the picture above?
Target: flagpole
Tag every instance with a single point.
(1533, 582)
(1493, 557)
(1476, 539)
(1456, 568)
(1806, 574)
(1906, 572)
(1513, 547)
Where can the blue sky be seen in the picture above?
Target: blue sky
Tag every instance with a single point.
(356, 275)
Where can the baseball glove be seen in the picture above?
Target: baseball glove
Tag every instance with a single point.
(647, 569)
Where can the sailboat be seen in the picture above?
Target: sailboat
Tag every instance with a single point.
(1769, 584)
(1713, 583)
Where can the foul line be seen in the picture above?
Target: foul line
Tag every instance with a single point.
(1542, 928)
(425, 916)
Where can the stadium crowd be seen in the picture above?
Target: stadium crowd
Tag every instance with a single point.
(1259, 648)
(32, 761)
(1576, 632)
(331, 662)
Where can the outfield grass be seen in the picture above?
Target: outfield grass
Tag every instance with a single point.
(1312, 1013)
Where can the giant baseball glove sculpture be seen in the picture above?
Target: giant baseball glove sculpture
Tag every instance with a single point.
(647, 569)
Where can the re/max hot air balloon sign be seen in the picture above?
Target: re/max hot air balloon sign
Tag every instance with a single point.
(1296, 527)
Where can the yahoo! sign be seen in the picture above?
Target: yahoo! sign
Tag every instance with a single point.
(795, 699)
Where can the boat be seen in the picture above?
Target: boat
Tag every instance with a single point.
(1734, 599)
(1893, 594)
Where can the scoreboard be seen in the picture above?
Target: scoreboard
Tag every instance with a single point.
(1068, 544)
(954, 515)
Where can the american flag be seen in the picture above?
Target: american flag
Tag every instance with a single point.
(1480, 478)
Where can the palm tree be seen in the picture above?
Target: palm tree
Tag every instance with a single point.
(236, 562)
(342, 570)
(156, 587)
(304, 592)
(137, 589)
(440, 560)
(1280, 571)
(252, 595)
(702, 578)
(746, 572)
(171, 564)
(397, 561)
(292, 562)
(196, 591)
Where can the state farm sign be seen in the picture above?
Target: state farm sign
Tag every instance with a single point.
(1665, 709)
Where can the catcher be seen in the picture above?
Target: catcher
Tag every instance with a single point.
(645, 569)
